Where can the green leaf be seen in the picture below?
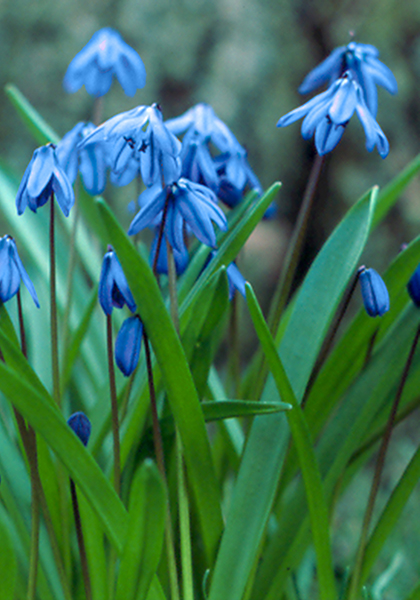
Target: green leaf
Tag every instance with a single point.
(227, 409)
(8, 563)
(36, 125)
(177, 379)
(309, 466)
(145, 533)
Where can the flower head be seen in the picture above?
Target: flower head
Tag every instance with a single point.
(106, 55)
(89, 160)
(187, 203)
(44, 176)
(127, 345)
(362, 60)
(12, 271)
(328, 114)
(413, 287)
(81, 426)
(113, 287)
(181, 258)
(235, 174)
(374, 293)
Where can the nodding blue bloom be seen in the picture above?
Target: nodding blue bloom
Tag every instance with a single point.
(113, 287)
(236, 281)
(327, 116)
(362, 60)
(140, 135)
(413, 287)
(374, 293)
(234, 175)
(106, 55)
(81, 426)
(128, 344)
(89, 160)
(188, 203)
(44, 176)
(12, 271)
(181, 258)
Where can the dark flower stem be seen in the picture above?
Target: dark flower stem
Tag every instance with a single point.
(380, 461)
(70, 276)
(160, 459)
(173, 295)
(80, 541)
(53, 309)
(114, 405)
(23, 345)
(160, 236)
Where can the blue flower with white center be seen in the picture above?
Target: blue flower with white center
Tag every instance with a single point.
(374, 293)
(90, 160)
(81, 426)
(128, 344)
(362, 60)
(140, 135)
(12, 271)
(105, 56)
(113, 289)
(328, 113)
(187, 203)
(413, 287)
(44, 176)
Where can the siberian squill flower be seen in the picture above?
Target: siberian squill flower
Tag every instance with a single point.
(363, 63)
(128, 344)
(235, 174)
(374, 293)
(81, 426)
(181, 258)
(236, 280)
(113, 287)
(140, 135)
(105, 56)
(186, 203)
(12, 271)
(44, 176)
(327, 115)
(413, 287)
(90, 160)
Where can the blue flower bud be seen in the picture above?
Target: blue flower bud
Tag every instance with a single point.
(113, 287)
(374, 293)
(127, 345)
(12, 271)
(413, 287)
(81, 426)
(106, 55)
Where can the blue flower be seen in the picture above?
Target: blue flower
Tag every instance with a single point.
(327, 116)
(374, 293)
(113, 287)
(128, 344)
(413, 287)
(81, 426)
(181, 258)
(362, 60)
(236, 281)
(235, 174)
(44, 176)
(104, 56)
(89, 160)
(140, 135)
(188, 203)
(12, 271)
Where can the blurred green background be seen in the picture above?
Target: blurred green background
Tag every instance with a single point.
(246, 58)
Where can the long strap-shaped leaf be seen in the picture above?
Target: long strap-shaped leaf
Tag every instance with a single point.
(302, 438)
(177, 378)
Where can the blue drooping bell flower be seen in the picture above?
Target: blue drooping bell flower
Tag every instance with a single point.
(12, 271)
(327, 115)
(140, 135)
(81, 426)
(44, 176)
(105, 56)
(128, 344)
(413, 287)
(374, 293)
(181, 258)
(90, 160)
(362, 60)
(113, 287)
(235, 174)
(236, 281)
(188, 203)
